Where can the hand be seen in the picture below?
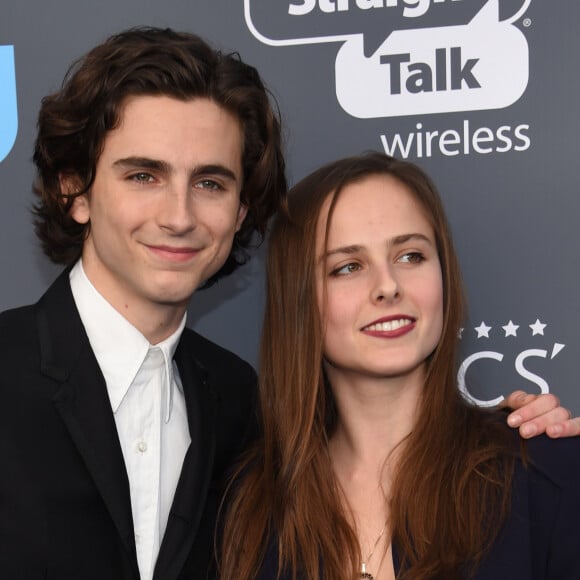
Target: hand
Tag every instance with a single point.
(536, 414)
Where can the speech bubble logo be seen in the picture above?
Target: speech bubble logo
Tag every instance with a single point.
(482, 65)
(391, 64)
(292, 22)
(8, 107)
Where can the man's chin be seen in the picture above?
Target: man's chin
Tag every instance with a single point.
(173, 297)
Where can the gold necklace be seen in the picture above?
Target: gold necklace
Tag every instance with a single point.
(364, 573)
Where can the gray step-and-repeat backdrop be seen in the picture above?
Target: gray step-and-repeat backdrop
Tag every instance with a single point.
(482, 93)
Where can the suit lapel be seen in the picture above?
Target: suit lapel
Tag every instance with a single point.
(83, 403)
(192, 489)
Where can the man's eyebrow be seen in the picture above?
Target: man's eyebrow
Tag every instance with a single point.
(164, 167)
(215, 170)
(142, 163)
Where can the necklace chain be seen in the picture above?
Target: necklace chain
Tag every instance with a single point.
(364, 574)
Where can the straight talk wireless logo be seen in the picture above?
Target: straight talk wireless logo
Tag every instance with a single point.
(393, 61)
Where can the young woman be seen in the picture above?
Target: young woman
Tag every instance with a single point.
(371, 464)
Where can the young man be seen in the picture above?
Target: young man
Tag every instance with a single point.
(158, 160)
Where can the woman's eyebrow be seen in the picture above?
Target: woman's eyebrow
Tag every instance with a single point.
(404, 238)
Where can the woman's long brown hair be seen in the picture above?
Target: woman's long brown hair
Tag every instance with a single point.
(451, 490)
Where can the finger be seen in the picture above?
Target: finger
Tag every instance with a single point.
(534, 408)
(512, 399)
(569, 428)
(540, 424)
(517, 399)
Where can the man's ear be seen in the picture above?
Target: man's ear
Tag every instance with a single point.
(242, 212)
(80, 210)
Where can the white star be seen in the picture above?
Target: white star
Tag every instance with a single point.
(511, 329)
(538, 327)
(460, 333)
(482, 330)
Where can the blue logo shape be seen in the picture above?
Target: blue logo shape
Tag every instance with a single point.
(8, 107)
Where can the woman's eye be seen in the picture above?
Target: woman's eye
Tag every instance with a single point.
(346, 269)
(412, 258)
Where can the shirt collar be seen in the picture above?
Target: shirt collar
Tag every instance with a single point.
(120, 349)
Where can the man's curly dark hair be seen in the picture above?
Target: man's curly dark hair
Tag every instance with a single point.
(73, 124)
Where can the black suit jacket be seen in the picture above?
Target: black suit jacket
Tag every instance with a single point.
(541, 537)
(65, 510)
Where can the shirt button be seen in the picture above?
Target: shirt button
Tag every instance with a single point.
(142, 446)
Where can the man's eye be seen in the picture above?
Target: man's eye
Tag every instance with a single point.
(142, 177)
(209, 184)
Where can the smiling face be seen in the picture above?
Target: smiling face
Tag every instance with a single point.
(379, 281)
(165, 203)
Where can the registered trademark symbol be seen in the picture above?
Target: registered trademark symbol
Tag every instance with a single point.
(527, 22)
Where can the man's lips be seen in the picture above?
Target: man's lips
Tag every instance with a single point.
(391, 326)
(174, 254)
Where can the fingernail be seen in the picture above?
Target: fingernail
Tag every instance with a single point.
(514, 420)
(528, 430)
(555, 431)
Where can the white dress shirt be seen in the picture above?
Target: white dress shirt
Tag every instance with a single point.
(147, 400)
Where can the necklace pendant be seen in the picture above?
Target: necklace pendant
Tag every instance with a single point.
(364, 574)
